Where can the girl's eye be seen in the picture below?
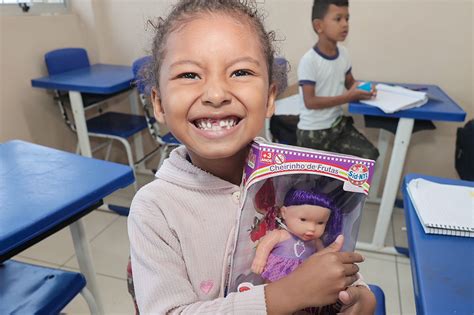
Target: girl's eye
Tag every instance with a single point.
(188, 75)
(303, 219)
(241, 73)
(321, 223)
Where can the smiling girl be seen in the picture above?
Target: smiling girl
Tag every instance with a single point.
(213, 89)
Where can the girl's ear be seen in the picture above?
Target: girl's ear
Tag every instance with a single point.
(283, 212)
(271, 100)
(157, 106)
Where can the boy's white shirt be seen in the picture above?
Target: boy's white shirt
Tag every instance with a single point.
(328, 75)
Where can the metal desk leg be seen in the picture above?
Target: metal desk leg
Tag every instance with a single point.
(397, 161)
(382, 144)
(81, 244)
(137, 138)
(84, 258)
(392, 182)
(80, 122)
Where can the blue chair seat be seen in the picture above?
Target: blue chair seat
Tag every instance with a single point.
(31, 289)
(117, 124)
(88, 99)
(380, 297)
(170, 139)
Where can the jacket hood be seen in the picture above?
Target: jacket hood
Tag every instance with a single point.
(178, 170)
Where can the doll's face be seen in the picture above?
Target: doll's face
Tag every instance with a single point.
(307, 222)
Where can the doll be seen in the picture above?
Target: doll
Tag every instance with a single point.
(311, 222)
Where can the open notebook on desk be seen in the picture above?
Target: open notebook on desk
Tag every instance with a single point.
(443, 209)
(391, 99)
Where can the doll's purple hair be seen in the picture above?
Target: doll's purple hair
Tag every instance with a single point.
(296, 197)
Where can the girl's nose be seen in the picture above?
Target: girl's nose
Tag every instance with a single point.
(216, 93)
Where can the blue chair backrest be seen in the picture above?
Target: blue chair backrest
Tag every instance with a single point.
(66, 59)
(142, 86)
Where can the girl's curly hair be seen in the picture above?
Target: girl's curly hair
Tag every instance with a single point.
(186, 10)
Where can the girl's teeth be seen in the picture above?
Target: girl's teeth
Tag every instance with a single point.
(216, 125)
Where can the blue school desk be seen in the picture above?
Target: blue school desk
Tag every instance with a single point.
(43, 190)
(440, 107)
(441, 266)
(98, 79)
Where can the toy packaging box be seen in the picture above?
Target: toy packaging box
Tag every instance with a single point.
(275, 171)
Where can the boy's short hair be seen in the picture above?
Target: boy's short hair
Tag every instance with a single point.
(320, 7)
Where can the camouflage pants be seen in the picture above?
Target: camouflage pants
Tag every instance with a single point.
(341, 138)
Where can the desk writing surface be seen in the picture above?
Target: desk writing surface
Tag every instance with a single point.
(442, 108)
(40, 186)
(98, 78)
(442, 266)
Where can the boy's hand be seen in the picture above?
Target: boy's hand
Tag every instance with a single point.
(374, 90)
(355, 94)
(357, 300)
(316, 282)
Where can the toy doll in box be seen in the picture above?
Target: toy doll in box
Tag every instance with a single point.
(295, 202)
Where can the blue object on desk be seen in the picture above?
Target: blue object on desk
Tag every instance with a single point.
(31, 289)
(442, 266)
(366, 86)
(41, 188)
(444, 110)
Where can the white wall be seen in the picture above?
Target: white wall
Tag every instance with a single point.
(27, 113)
(417, 41)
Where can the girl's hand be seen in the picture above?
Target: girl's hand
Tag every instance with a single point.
(355, 94)
(357, 300)
(258, 265)
(330, 272)
(316, 282)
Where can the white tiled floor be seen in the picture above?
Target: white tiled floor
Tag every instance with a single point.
(107, 233)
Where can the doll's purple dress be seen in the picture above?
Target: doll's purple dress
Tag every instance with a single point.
(286, 256)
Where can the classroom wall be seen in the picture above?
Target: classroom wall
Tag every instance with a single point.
(417, 41)
(27, 113)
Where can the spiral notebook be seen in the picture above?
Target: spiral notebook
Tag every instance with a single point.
(443, 209)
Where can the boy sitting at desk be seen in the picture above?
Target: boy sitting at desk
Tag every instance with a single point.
(324, 74)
